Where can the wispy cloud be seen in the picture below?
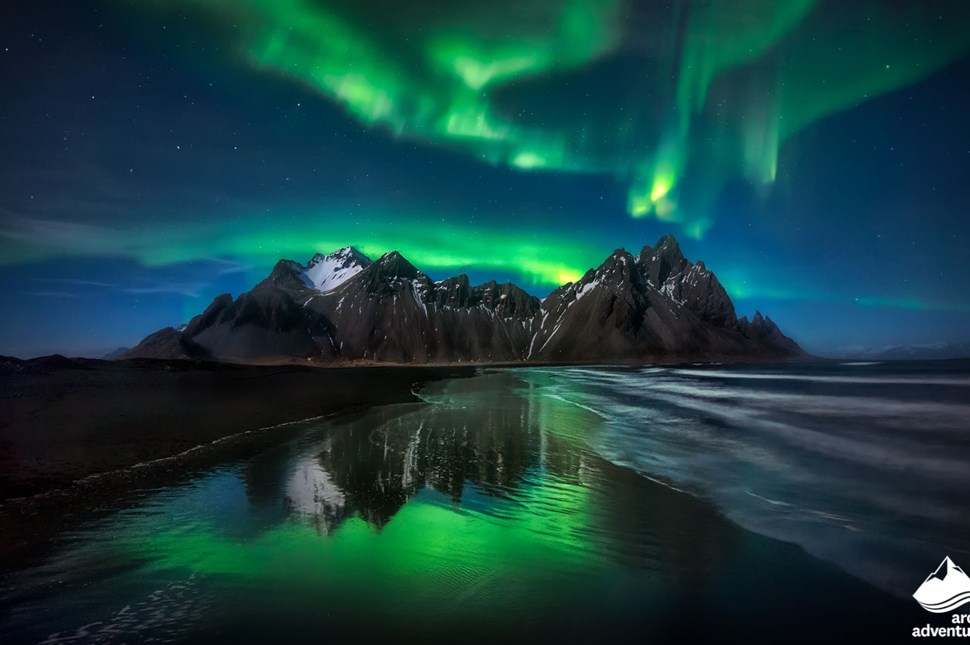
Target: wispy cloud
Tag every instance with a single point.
(143, 286)
(57, 233)
(76, 281)
(52, 294)
(227, 266)
(189, 289)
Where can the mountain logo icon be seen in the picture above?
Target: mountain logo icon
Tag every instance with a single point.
(945, 589)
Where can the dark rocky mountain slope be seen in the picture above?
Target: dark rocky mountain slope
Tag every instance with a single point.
(343, 307)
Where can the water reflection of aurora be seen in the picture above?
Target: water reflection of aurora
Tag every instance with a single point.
(487, 495)
(481, 513)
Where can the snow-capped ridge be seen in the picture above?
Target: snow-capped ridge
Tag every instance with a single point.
(343, 306)
(327, 272)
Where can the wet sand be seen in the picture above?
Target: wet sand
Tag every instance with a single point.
(71, 428)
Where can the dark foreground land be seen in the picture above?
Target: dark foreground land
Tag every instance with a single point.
(72, 428)
(63, 420)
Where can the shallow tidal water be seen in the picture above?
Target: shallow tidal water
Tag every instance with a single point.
(667, 503)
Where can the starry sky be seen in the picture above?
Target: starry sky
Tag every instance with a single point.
(814, 153)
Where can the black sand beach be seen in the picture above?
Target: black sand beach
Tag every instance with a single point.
(71, 428)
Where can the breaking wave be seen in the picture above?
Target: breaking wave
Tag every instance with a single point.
(861, 464)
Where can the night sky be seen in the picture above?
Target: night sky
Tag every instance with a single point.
(816, 155)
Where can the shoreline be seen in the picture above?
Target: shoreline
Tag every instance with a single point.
(78, 438)
(63, 421)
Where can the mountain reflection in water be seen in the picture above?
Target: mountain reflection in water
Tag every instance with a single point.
(482, 513)
(487, 449)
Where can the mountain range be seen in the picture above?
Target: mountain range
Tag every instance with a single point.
(345, 308)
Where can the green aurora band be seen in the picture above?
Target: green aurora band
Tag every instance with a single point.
(720, 86)
(539, 259)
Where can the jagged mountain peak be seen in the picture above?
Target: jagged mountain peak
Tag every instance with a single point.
(344, 307)
(662, 260)
(758, 320)
(322, 273)
(286, 274)
(763, 330)
(506, 298)
(345, 255)
(327, 272)
(667, 242)
(395, 265)
(621, 255)
(666, 247)
(619, 268)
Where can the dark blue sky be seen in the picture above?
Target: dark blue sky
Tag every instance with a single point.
(155, 157)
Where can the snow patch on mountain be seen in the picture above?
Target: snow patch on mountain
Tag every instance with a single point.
(327, 272)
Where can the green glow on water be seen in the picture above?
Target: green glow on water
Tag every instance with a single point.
(492, 549)
(423, 546)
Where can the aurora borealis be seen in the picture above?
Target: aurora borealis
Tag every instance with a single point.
(813, 153)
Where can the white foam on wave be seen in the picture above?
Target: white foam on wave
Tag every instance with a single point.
(852, 474)
(831, 445)
(913, 415)
(562, 399)
(773, 502)
(861, 380)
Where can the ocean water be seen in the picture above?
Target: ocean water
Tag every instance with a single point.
(755, 503)
(863, 464)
